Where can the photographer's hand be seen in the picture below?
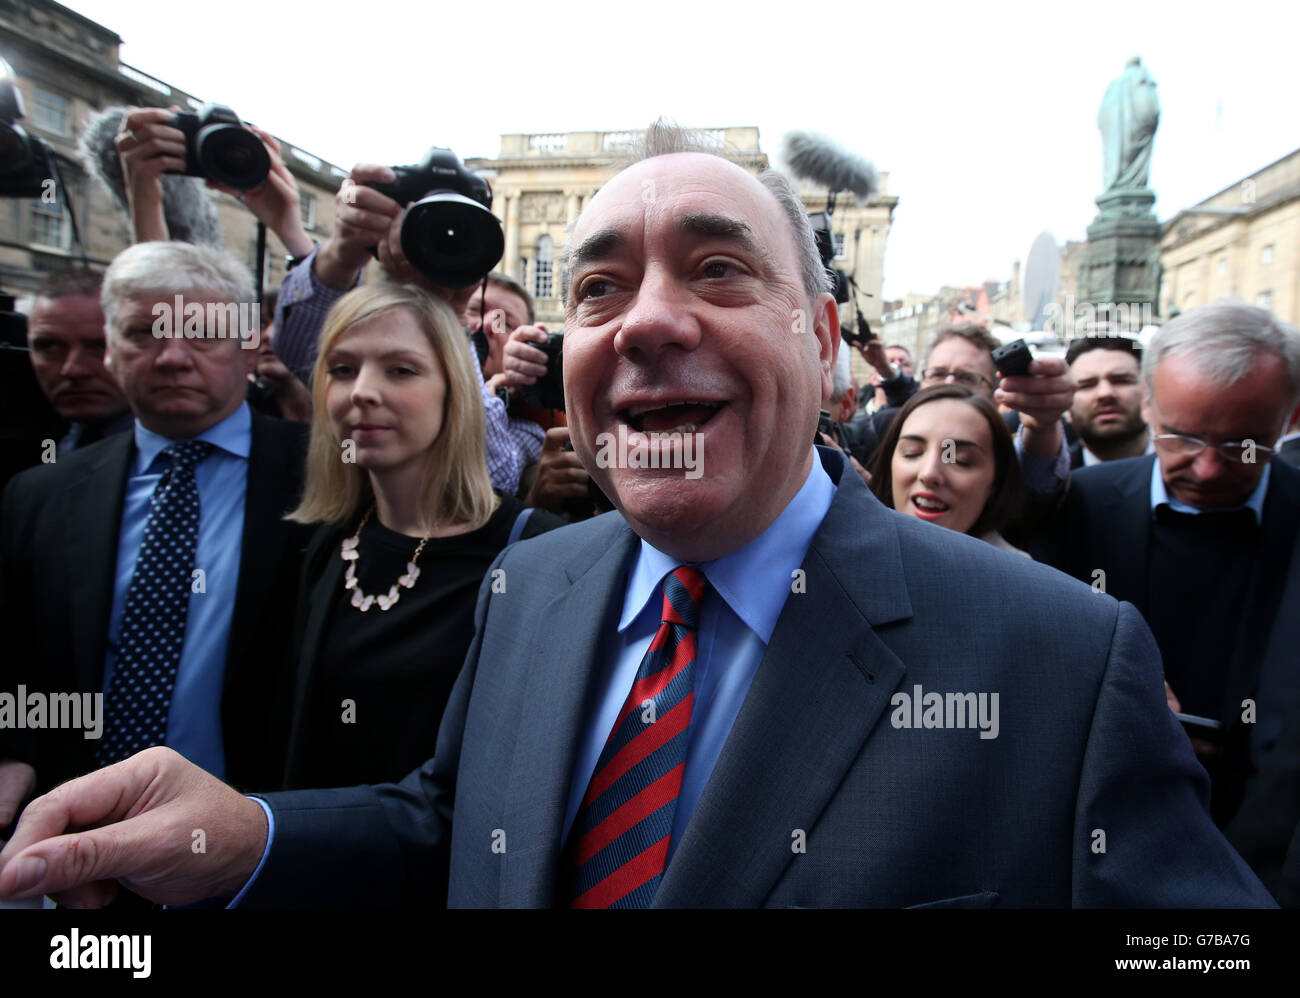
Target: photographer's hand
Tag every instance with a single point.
(274, 203)
(1041, 396)
(874, 354)
(524, 364)
(148, 146)
(362, 218)
(560, 475)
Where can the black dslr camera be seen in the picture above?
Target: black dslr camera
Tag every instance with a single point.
(548, 391)
(449, 233)
(219, 147)
(25, 167)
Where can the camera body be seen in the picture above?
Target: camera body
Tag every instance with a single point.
(449, 233)
(548, 391)
(219, 147)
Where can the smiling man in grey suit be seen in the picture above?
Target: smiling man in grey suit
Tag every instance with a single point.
(755, 687)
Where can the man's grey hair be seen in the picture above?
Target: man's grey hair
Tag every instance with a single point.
(664, 139)
(1224, 340)
(843, 380)
(161, 269)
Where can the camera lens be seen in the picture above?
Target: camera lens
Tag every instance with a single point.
(451, 239)
(232, 155)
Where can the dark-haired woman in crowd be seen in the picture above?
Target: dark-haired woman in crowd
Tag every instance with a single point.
(949, 459)
(397, 476)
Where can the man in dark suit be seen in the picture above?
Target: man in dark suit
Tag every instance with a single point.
(1199, 535)
(99, 597)
(756, 687)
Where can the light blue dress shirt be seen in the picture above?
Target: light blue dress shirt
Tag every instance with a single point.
(736, 623)
(1161, 497)
(194, 720)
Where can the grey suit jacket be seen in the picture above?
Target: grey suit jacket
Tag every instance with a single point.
(1089, 794)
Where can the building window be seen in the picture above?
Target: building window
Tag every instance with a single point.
(49, 227)
(1223, 266)
(837, 240)
(1266, 255)
(51, 112)
(523, 271)
(542, 267)
(1265, 300)
(307, 210)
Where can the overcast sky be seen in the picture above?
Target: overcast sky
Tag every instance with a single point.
(984, 115)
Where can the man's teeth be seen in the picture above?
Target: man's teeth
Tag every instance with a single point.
(676, 431)
(641, 410)
(932, 504)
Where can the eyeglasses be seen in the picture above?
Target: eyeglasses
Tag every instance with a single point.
(1185, 445)
(1235, 451)
(968, 378)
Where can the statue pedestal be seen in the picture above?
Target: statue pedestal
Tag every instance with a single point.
(1121, 262)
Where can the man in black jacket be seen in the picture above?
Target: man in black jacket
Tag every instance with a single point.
(148, 582)
(1199, 535)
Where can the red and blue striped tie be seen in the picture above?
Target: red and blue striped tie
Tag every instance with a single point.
(618, 847)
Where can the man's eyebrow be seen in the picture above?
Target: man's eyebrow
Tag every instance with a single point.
(595, 246)
(713, 226)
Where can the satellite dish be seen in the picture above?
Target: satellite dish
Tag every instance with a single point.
(1042, 279)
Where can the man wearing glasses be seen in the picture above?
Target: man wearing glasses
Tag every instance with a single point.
(1199, 535)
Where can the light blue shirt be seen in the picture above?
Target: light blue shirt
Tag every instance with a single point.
(194, 720)
(736, 623)
(1160, 496)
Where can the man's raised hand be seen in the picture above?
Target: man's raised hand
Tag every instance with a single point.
(139, 822)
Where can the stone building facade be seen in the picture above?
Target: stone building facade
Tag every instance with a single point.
(1243, 242)
(541, 182)
(66, 67)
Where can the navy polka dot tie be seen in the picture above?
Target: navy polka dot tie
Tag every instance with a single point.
(153, 619)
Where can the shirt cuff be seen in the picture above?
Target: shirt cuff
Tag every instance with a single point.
(270, 836)
(1043, 475)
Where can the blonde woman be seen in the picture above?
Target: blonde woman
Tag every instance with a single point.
(409, 526)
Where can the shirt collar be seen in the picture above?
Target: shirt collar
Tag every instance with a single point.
(754, 580)
(1160, 496)
(1089, 458)
(233, 435)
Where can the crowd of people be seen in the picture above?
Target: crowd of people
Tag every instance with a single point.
(357, 553)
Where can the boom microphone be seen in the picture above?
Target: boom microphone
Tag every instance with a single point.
(821, 160)
(188, 211)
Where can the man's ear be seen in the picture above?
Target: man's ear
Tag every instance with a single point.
(826, 329)
(1146, 405)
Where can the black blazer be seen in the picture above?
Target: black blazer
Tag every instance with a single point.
(58, 555)
(1104, 523)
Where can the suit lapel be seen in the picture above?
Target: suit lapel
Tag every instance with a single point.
(95, 504)
(271, 484)
(1122, 526)
(320, 603)
(568, 640)
(1277, 535)
(806, 716)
